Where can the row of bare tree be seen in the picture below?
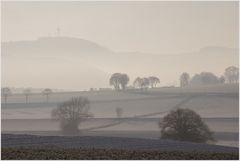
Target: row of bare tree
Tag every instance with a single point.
(6, 92)
(120, 80)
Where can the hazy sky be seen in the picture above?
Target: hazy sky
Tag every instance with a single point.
(154, 27)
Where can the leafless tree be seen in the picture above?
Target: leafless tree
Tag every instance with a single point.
(27, 93)
(71, 113)
(232, 74)
(5, 93)
(184, 79)
(47, 92)
(141, 83)
(153, 81)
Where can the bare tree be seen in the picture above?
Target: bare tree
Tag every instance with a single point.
(185, 125)
(184, 79)
(27, 93)
(142, 83)
(71, 113)
(153, 81)
(5, 93)
(47, 92)
(119, 112)
(119, 81)
(231, 74)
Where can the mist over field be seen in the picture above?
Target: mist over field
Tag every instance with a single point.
(135, 75)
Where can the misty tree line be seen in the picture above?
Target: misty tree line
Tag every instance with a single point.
(230, 75)
(6, 92)
(120, 80)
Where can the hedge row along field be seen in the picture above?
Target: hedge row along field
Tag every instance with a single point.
(54, 153)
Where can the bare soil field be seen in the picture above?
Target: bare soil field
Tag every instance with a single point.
(60, 153)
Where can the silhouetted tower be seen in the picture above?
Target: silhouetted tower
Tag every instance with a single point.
(58, 31)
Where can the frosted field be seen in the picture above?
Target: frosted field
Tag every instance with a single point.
(218, 105)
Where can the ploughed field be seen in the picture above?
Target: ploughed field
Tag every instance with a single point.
(218, 105)
(75, 147)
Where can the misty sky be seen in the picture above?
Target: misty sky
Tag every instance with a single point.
(152, 27)
(168, 37)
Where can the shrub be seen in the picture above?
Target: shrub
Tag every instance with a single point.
(185, 125)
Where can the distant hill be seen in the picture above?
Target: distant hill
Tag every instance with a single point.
(82, 64)
(55, 45)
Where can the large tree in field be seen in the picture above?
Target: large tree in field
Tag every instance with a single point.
(71, 113)
(231, 74)
(47, 92)
(185, 125)
(5, 93)
(124, 79)
(153, 81)
(119, 81)
(184, 79)
(27, 93)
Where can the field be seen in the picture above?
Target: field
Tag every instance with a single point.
(57, 153)
(218, 105)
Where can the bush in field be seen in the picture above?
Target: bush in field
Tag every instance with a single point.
(71, 113)
(185, 125)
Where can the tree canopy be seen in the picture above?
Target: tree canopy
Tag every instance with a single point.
(185, 125)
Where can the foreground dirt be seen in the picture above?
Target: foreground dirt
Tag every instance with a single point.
(54, 153)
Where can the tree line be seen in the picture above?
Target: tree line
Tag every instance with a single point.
(6, 92)
(120, 80)
(230, 75)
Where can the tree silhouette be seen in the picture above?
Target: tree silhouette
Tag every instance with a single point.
(119, 112)
(71, 113)
(184, 79)
(204, 78)
(221, 79)
(142, 83)
(231, 74)
(47, 92)
(153, 81)
(27, 93)
(137, 83)
(5, 93)
(119, 81)
(124, 79)
(185, 125)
